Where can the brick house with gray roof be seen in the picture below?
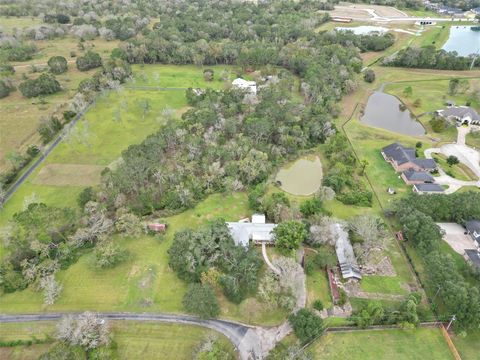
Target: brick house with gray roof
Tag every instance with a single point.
(403, 158)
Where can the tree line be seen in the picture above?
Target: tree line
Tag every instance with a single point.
(418, 216)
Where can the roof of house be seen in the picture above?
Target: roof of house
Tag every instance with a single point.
(428, 187)
(346, 256)
(412, 175)
(243, 232)
(474, 256)
(473, 227)
(402, 155)
(460, 112)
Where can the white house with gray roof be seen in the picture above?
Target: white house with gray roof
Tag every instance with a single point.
(464, 115)
(346, 256)
(257, 231)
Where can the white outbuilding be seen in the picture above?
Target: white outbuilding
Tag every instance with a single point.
(249, 86)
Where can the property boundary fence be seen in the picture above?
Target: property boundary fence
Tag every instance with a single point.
(21, 179)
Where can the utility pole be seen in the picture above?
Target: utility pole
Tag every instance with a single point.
(451, 321)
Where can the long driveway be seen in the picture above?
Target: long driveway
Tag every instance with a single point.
(244, 337)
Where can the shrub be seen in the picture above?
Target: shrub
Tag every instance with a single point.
(318, 305)
(91, 60)
(311, 207)
(45, 84)
(306, 325)
(5, 89)
(85, 196)
(356, 197)
(57, 64)
(33, 150)
(369, 76)
(200, 300)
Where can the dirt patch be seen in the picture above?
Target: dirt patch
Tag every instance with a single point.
(378, 264)
(69, 174)
(365, 11)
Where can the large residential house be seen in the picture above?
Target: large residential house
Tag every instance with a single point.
(346, 256)
(473, 228)
(249, 86)
(256, 231)
(403, 159)
(412, 177)
(464, 115)
(427, 188)
(473, 256)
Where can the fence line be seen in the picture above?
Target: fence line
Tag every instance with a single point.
(14, 187)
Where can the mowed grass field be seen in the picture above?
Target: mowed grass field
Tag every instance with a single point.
(150, 340)
(422, 343)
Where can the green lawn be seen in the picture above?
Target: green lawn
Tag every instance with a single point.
(457, 171)
(189, 76)
(473, 139)
(434, 35)
(469, 346)
(420, 343)
(148, 339)
(166, 341)
(433, 93)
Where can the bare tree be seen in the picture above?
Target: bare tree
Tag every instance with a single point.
(372, 231)
(97, 225)
(321, 231)
(51, 289)
(87, 330)
(326, 193)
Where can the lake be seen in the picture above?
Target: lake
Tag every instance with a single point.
(363, 30)
(303, 177)
(383, 111)
(463, 40)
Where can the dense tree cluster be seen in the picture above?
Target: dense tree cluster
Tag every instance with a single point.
(57, 64)
(37, 245)
(16, 51)
(417, 215)
(90, 60)
(341, 176)
(196, 252)
(429, 57)
(224, 143)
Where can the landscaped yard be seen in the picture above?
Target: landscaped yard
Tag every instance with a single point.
(458, 171)
(423, 343)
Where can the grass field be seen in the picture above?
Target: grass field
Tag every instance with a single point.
(144, 282)
(146, 339)
(473, 139)
(420, 343)
(117, 120)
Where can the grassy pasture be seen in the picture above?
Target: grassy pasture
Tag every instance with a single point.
(422, 343)
(150, 339)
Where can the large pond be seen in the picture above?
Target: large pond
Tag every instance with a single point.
(363, 30)
(383, 111)
(303, 177)
(463, 40)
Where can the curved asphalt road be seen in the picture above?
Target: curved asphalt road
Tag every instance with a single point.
(234, 331)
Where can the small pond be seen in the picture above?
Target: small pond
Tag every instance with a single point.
(463, 40)
(383, 111)
(303, 177)
(363, 30)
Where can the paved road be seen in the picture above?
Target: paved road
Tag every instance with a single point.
(242, 336)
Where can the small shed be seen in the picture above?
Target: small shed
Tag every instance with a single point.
(157, 227)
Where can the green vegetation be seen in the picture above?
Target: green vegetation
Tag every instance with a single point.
(383, 345)
(132, 338)
(456, 169)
